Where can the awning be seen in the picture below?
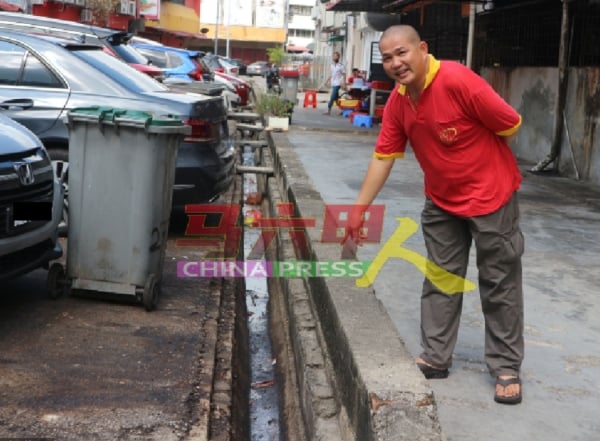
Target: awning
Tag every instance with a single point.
(297, 49)
(181, 34)
(178, 20)
(390, 6)
(10, 7)
(331, 28)
(356, 5)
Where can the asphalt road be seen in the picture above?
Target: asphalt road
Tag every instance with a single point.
(561, 224)
(81, 368)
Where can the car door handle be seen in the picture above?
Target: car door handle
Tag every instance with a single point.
(17, 104)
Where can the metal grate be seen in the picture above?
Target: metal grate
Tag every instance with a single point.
(529, 34)
(585, 33)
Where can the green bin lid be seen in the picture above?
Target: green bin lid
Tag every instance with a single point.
(137, 117)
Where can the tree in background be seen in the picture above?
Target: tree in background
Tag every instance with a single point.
(275, 55)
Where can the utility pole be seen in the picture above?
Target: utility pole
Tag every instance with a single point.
(228, 12)
(471, 36)
(216, 48)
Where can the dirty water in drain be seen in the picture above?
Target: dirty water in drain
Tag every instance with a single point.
(264, 392)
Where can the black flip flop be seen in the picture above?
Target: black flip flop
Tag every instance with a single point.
(515, 399)
(432, 373)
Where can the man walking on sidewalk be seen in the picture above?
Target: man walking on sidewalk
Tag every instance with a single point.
(459, 129)
(338, 81)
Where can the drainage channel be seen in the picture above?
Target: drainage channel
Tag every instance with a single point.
(264, 392)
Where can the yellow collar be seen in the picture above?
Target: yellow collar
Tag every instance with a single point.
(434, 67)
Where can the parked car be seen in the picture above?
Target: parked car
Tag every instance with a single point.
(176, 62)
(184, 65)
(114, 41)
(42, 78)
(242, 87)
(218, 64)
(242, 68)
(257, 68)
(226, 89)
(31, 201)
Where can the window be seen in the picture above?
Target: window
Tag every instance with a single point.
(302, 33)
(37, 75)
(174, 60)
(18, 67)
(158, 58)
(118, 72)
(301, 10)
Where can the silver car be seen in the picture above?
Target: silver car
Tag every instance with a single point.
(42, 78)
(31, 202)
(258, 68)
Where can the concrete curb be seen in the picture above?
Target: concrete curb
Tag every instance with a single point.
(349, 131)
(308, 391)
(381, 393)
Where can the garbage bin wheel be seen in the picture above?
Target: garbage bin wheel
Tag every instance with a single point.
(151, 292)
(56, 280)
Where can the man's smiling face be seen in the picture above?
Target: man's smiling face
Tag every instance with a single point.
(404, 59)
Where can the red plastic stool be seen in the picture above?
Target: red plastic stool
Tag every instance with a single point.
(310, 98)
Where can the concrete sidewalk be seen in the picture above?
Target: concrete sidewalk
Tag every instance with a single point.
(371, 336)
(313, 118)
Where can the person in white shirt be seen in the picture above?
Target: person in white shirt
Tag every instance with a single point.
(338, 81)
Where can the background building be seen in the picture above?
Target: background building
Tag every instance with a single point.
(242, 29)
(300, 26)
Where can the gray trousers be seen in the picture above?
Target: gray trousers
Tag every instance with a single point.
(499, 245)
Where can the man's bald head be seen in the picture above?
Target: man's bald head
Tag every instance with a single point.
(407, 32)
(404, 56)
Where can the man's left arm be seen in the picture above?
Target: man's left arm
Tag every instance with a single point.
(494, 112)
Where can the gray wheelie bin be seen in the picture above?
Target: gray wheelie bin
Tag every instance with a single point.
(289, 79)
(121, 174)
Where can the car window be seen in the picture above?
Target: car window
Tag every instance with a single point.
(11, 62)
(201, 62)
(158, 58)
(212, 62)
(120, 72)
(129, 54)
(18, 67)
(174, 60)
(36, 74)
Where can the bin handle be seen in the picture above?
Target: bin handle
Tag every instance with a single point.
(141, 117)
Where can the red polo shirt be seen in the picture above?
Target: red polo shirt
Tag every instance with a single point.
(455, 131)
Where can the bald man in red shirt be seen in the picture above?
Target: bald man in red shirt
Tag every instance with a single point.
(459, 129)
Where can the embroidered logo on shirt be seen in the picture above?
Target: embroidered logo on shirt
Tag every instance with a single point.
(448, 135)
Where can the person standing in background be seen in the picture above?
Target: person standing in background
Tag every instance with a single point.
(337, 77)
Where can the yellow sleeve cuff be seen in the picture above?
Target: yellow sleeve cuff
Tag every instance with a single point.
(397, 155)
(512, 130)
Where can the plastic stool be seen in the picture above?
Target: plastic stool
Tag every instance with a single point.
(363, 121)
(353, 113)
(346, 113)
(310, 98)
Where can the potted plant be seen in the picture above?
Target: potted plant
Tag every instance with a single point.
(276, 110)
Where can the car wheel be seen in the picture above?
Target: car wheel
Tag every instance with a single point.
(56, 280)
(60, 163)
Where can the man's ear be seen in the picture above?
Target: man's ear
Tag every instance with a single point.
(423, 47)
